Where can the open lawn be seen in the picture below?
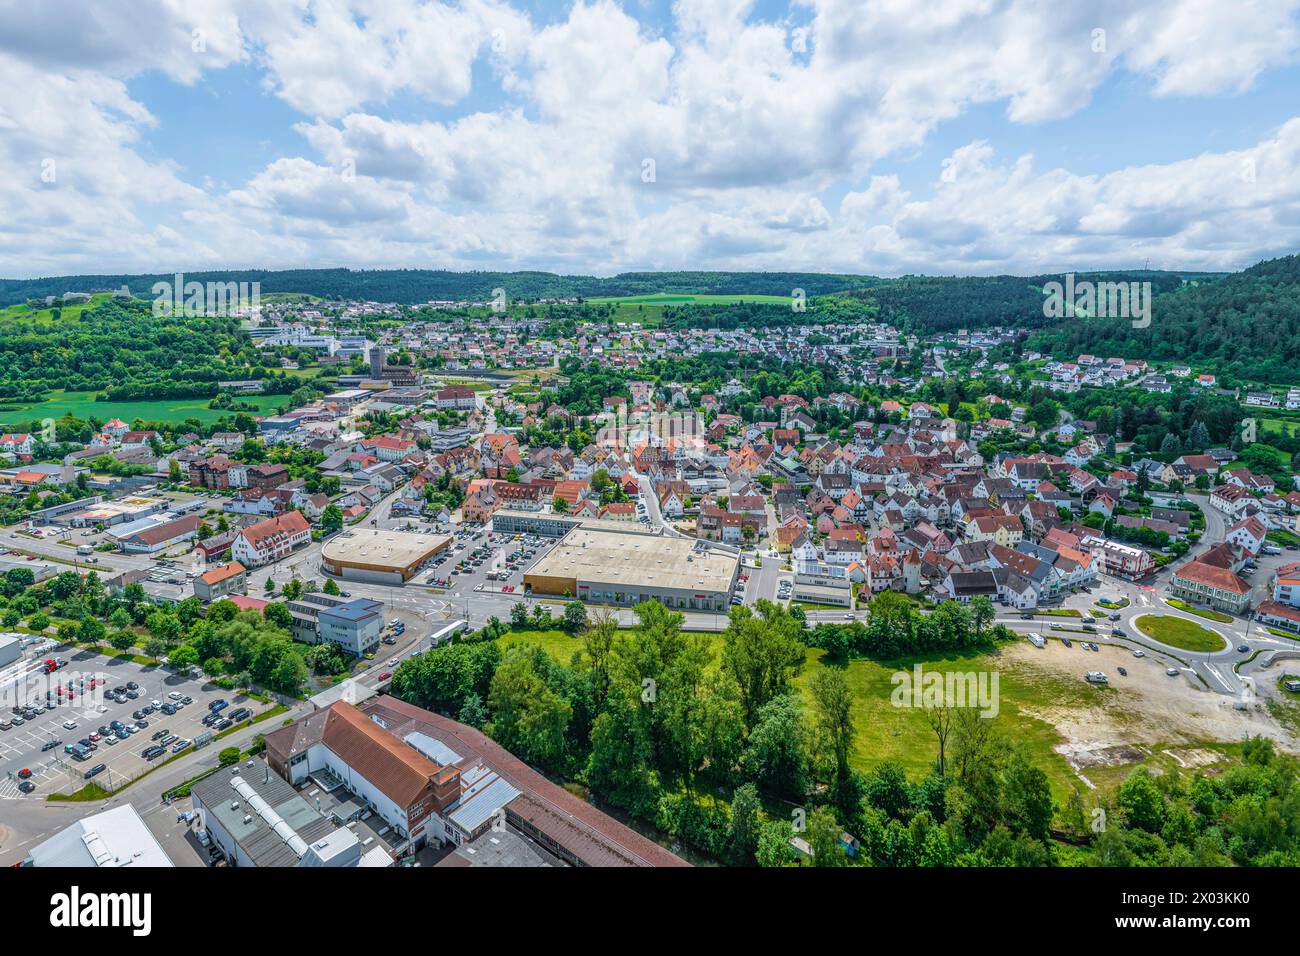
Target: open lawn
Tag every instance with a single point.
(83, 405)
(1180, 632)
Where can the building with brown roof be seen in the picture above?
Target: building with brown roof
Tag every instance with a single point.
(1202, 583)
(271, 539)
(221, 581)
(435, 779)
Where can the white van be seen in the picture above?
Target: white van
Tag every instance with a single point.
(1096, 677)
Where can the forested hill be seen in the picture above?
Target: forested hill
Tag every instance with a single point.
(1245, 325)
(927, 304)
(411, 286)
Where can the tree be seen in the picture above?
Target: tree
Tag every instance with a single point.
(183, 657)
(575, 617)
(833, 726)
(473, 712)
(293, 589)
(774, 844)
(824, 838)
(228, 756)
(279, 615)
(519, 616)
(90, 631)
(559, 505)
(775, 755)
(121, 640)
(528, 717)
(761, 653)
(331, 518)
(745, 819)
(330, 587)
(940, 719)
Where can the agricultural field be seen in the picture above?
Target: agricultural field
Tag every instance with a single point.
(647, 310)
(83, 405)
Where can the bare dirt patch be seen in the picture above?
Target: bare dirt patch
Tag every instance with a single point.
(1122, 723)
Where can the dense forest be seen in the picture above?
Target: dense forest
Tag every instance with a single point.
(1244, 326)
(927, 304)
(121, 347)
(411, 286)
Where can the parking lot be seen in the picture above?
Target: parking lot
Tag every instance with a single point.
(93, 710)
(494, 558)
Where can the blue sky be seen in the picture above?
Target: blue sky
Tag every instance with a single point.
(597, 137)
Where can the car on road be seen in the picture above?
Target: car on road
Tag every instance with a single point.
(1243, 648)
(386, 675)
(1118, 632)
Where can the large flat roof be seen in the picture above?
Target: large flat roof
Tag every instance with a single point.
(394, 549)
(630, 560)
(116, 837)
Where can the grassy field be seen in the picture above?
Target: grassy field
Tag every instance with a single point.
(902, 734)
(20, 310)
(1180, 632)
(83, 405)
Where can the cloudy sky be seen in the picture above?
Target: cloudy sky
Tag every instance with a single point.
(875, 136)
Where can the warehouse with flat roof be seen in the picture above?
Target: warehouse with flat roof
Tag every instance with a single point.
(609, 567)
(380, 557)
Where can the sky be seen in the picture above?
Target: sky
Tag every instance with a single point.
(884, 137)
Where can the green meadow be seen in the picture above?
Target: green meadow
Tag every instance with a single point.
(83, 405)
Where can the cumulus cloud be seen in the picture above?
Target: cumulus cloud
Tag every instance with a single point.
(475, 133)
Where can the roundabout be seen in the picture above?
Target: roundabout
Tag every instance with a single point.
(1180, 633)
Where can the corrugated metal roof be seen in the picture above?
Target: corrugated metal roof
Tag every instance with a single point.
(483, 805)
(435, 750)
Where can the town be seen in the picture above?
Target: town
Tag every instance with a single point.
(498, 491)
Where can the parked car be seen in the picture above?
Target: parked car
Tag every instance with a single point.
(94, 771)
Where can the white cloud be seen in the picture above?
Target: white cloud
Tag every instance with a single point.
(749, 130)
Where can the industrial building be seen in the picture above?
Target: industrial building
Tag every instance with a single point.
(257, 819)
(109, 513)
(116, 837)
(11, 647)
(433, 780)
(612, 567)
(380, 557)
